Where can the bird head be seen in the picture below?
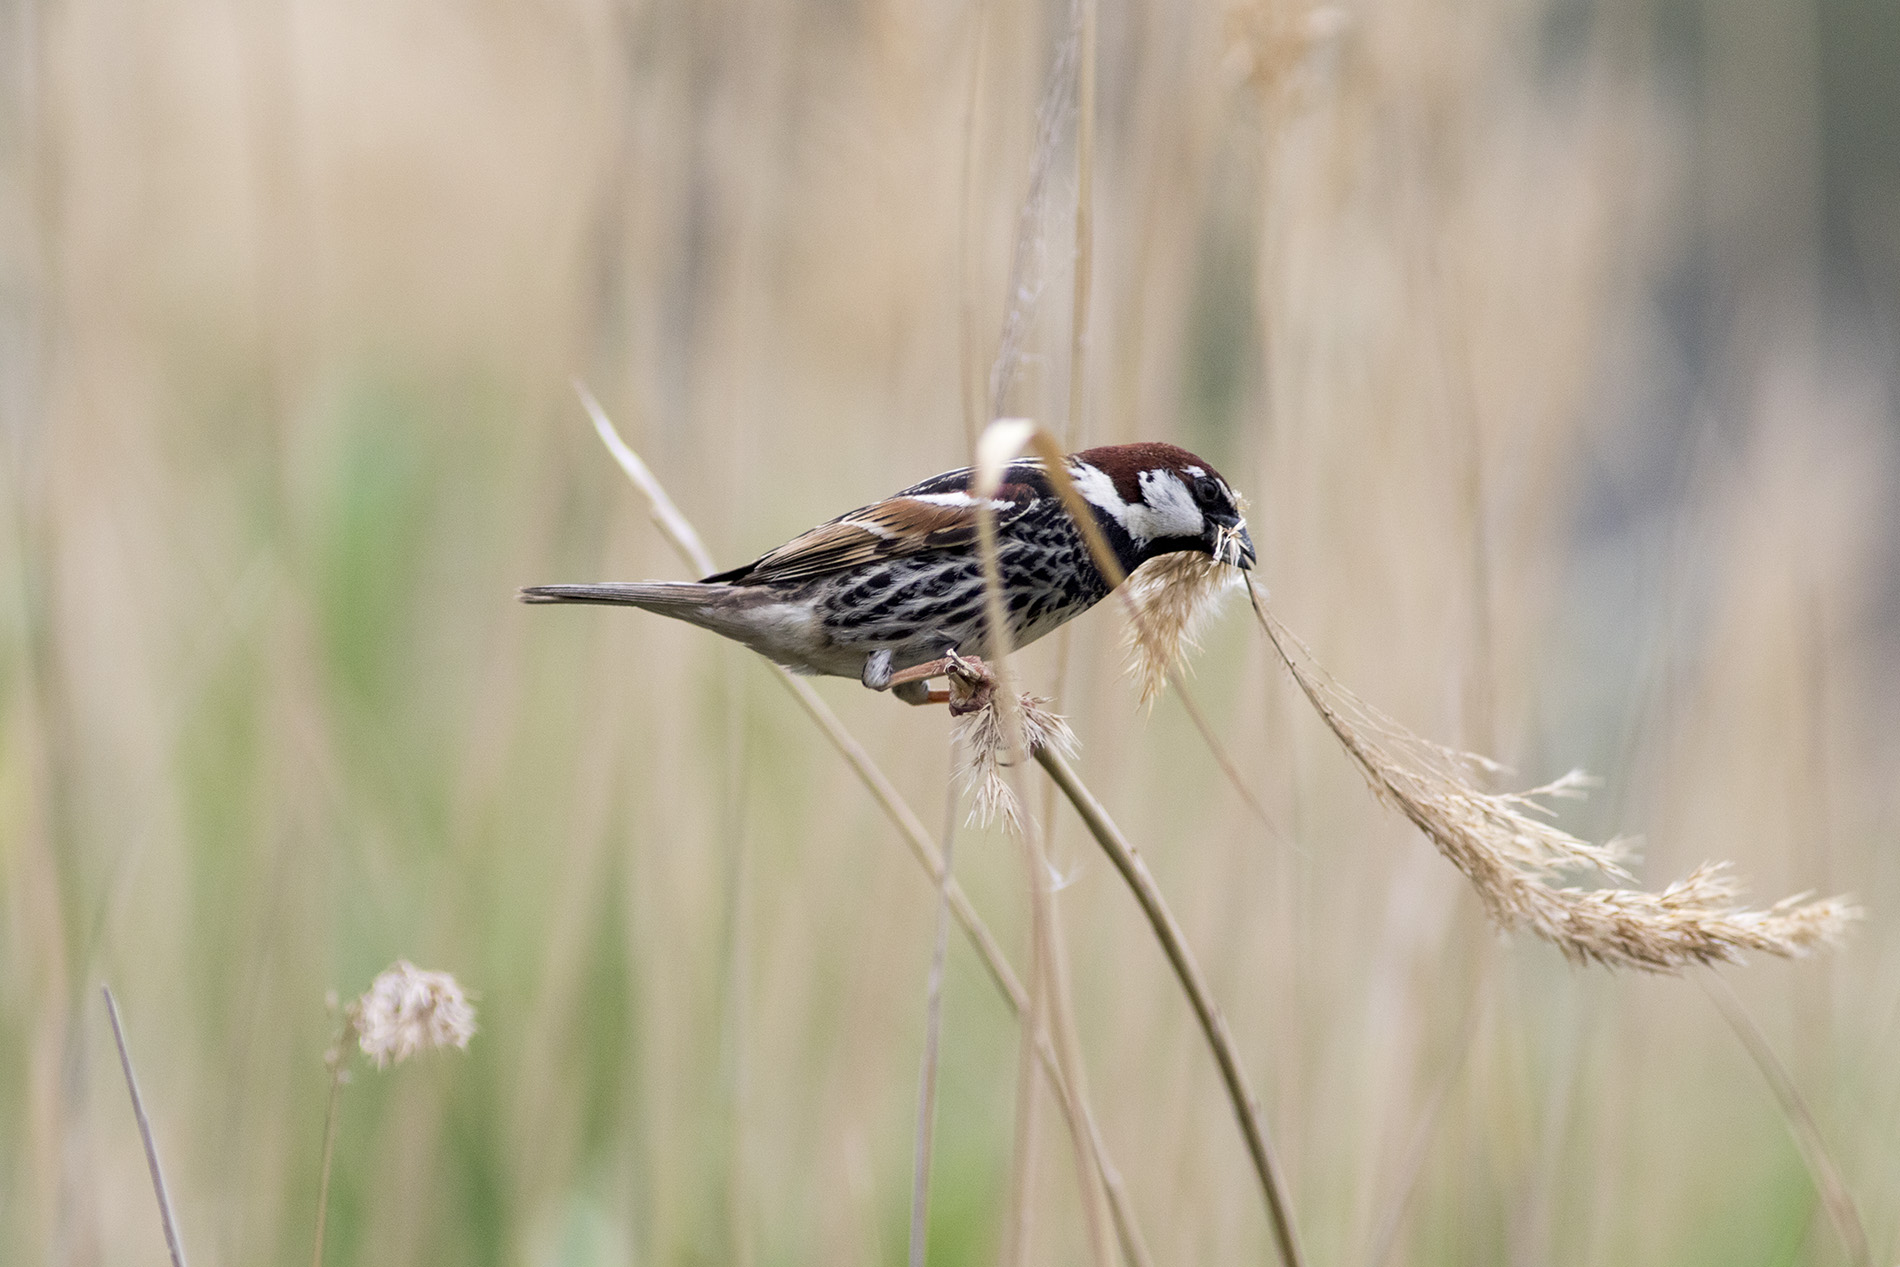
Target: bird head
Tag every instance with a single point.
(1165, 500)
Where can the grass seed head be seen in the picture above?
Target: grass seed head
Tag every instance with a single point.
(1506, 846)
(986, 753)
(407, 1011)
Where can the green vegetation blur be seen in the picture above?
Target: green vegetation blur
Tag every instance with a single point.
(1554, 343)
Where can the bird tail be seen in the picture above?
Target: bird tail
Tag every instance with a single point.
(665, 597)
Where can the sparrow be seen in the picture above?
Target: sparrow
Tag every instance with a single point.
(892, 593)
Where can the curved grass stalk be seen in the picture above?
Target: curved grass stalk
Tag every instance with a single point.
(1822, 1170)
(1213, 1024)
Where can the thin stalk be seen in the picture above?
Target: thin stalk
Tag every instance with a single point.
(170, 1220)
(1085, 21)
(972, 422)
(1048, 981)
(1032, 1033)
(1023, 1137)
(1084, 222)
(1225, 760)
(338, 1060)
(933, 1037)
(1826, 1176)
(1174, 942)
(680, 534)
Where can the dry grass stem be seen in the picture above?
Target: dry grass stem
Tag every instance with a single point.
(1027, 270)
(1835, 1197)
(1080, 1118)
(1001, 443)
(337, 1061)
(173, 1243)
(1168, 931)
(933, 1043)
(1506, 846)
(1087, 21)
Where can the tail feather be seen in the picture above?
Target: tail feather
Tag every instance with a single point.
(652, 595)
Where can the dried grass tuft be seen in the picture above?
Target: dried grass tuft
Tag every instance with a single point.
(1173, 598)
(1511, 853)
(407, 1011)
(986, 748)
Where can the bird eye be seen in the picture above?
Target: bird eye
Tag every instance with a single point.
(1206, 491)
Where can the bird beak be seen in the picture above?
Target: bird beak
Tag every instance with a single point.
(1232, 545)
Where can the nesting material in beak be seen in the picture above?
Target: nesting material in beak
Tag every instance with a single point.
(1174, 596)
(1233, 546)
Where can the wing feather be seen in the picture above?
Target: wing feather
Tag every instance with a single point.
(935, 515)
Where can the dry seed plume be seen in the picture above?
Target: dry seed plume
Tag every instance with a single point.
(1511, 853)
(407, 1011)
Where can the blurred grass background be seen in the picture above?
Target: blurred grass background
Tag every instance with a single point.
(1554, 341)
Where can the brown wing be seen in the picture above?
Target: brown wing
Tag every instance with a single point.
(897, 526)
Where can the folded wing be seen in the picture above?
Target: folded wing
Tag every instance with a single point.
(937, 515)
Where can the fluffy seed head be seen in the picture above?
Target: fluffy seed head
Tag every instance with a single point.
(407, 1011)
(986, 753)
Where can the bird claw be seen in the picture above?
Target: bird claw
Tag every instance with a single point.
(972, 686)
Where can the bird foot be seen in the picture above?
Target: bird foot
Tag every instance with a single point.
(969, 684)
(972, 686)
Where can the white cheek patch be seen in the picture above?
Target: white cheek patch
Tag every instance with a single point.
(1170, 510)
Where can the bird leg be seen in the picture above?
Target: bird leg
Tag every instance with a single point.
(969, 683)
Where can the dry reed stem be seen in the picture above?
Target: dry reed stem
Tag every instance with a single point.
(686, 543)
(173, 1242)
(1084, 220)
(337, 1059)
(1213, 1024)
(966, 219)
(1025, 270)
(933, 1042)
(1826, 1176)
(998, 447)
(1505, 845)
